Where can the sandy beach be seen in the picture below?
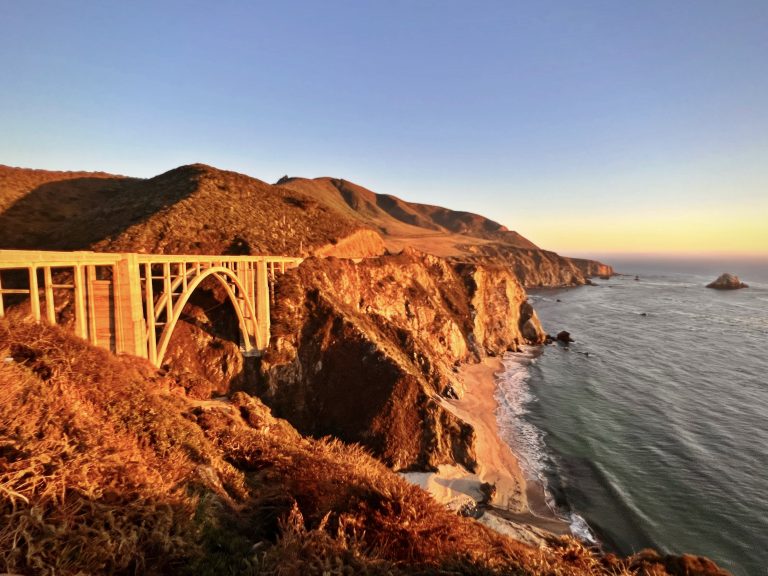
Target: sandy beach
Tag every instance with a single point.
(518, 499)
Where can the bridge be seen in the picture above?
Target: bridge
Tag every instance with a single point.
(131, 303)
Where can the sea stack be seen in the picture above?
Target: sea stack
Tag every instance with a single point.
(727, 282)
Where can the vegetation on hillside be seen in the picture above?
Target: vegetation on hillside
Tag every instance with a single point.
(198, 209)
(192, 209)
(105, 467)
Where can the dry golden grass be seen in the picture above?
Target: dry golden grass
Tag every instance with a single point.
(103, 471)
(96, 472)
(193, 209)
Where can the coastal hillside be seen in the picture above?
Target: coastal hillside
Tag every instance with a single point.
(199, 209)
(429, 228)
(364, 351)
(192, 209)
(411, 319)
(107, 467)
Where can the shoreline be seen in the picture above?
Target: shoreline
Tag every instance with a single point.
(519, 500)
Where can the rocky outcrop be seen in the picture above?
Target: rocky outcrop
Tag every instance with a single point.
(592, 268)
(536, 268)
(564, 337)
(503, 318)
(530, 327)
(362, 351)
(727, 282)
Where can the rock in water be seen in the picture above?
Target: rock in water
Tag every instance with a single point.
(564, 337)
(530, 327)
(727, 282)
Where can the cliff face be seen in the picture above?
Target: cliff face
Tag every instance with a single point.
(593, 268)
(540, 268)
(362, 351)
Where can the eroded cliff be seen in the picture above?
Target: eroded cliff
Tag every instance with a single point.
(537, 268)
(362, 351)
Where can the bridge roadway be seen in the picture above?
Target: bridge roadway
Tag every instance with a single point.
(129, 302)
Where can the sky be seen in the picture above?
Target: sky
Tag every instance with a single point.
(588, 126)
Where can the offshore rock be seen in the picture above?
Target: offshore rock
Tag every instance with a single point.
(564, 337)
(727, 282)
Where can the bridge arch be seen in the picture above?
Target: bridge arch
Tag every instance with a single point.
(224, 276)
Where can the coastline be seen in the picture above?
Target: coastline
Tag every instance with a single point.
(519, 505)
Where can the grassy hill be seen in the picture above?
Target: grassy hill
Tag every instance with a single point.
(191, 209)
(198, 208)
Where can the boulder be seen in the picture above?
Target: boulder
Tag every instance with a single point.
(530, 326)
(727, 282)
(564, 337)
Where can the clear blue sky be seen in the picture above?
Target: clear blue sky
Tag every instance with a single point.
(558, 119)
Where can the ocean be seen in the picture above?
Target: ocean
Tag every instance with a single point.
(651, 429)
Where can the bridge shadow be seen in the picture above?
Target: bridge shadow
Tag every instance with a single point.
(75, 213)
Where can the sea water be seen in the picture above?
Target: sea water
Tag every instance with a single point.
(651, 429)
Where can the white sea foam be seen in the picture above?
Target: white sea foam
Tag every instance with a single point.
(581, 530)
(513, 396)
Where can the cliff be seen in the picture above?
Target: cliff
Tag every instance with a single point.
(362, 351)
(593, 268)
(537, 268)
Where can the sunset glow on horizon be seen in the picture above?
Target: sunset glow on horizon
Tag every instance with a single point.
(692, 234)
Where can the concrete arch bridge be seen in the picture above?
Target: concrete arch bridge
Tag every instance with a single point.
(132, 302)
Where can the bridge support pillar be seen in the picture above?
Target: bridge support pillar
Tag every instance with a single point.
(262, 305)
(130, 326)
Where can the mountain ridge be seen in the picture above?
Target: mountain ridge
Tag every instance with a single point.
(196, 208)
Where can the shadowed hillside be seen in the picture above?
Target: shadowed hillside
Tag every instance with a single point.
(192, 209)
(65, 210)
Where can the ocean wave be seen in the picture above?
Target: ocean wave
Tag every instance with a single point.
(581, 529)
(513, 396)
(664, 429)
